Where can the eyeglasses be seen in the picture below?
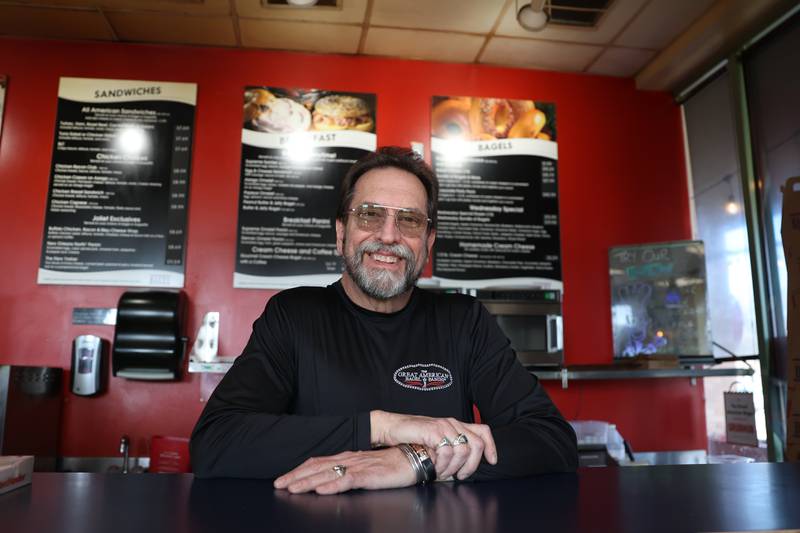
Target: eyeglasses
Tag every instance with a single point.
(372, 217)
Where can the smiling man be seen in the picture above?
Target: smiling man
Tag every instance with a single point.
(370, 382)
(385, 247)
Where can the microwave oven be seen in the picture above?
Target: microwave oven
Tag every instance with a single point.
(531, 319)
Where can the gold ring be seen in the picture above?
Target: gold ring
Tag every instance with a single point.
(340, 470)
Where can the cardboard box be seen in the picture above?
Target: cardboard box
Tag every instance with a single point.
(15, 471)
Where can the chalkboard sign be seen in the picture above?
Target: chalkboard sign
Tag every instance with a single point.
(658, 300)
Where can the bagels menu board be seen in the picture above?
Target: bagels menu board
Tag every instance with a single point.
(297, 145)
(496, 160)
(119, 182)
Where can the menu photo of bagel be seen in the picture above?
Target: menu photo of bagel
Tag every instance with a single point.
(285, 111)
(343, 112)
(484, 119)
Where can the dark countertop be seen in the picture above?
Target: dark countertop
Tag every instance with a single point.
(690, 498)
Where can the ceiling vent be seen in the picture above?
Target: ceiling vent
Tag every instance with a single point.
(302, 4)
(581, 13)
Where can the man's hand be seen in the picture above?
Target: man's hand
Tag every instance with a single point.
(376, 469)
(460, 461)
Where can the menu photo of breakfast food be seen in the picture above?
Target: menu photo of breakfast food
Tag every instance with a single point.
(286, 111)
(485, 119)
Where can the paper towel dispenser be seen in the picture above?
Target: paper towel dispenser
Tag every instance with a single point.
(148, 340)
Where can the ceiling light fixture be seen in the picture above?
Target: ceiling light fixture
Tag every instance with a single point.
(532, 15)
(731, 206)
(301, 3)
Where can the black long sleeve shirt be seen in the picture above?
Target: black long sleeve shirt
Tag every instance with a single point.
(316, 364)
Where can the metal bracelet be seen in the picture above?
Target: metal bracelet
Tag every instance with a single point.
(427, 464)
(415, 461)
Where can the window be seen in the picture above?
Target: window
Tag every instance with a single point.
(772, 74)
(720, 222)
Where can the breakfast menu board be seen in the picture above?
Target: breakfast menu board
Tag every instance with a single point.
(119, 183)
(498, 225)
(297, 145)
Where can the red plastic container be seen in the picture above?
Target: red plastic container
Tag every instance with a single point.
(169, 455)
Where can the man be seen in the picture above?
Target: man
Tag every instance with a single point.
(370, 382)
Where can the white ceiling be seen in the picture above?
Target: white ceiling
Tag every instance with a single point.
(627, 37)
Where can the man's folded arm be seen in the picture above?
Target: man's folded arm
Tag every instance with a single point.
(531, 435)
(244, 431)
(531, 439)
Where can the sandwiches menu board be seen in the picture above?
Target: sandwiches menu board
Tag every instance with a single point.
(297, 145)
(119, 183)
(496, 160)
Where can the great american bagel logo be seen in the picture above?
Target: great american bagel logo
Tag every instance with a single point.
(423, 376)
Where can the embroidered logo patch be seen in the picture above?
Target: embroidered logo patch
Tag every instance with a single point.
(423, 376)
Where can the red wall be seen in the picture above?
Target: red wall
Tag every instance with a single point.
(622, 181)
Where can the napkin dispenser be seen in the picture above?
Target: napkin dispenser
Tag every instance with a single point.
(148, 343)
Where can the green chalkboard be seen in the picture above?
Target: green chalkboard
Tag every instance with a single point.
(658, 300)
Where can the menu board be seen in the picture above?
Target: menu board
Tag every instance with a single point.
(119, 183)
(498, 201)
(297, 145)
(658, 300)
(3, 82)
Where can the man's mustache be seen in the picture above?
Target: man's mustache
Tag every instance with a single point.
(400, 250)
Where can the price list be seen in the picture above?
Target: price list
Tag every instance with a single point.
(178, 193)
(291, 172)
(119, 182)
(498, 198)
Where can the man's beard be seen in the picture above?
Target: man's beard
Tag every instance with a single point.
(379, 283)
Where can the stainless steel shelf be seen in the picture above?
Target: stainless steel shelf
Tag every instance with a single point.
(595, 373)
(223, 364)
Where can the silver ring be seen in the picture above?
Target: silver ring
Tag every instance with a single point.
(461, 439)
(444, 442)
(340, 470)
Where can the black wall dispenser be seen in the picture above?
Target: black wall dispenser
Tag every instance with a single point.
(148, 340)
